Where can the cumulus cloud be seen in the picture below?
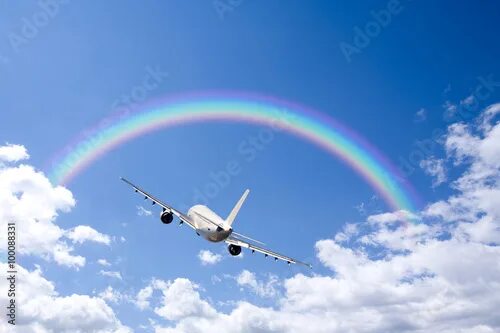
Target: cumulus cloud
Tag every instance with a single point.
(349, 230)
(438, 275)
(44, 310)
(180, 300)
(13, 153)
(461, 143)
(103, 262)
(435, 168)
(391, 217)
(112, 295)
(438, 286)
(29, 199)
(208, 257)
(143, 296)
(488, 115)
(267, 288)
(477, 189)
(85, 233)
(62, 255)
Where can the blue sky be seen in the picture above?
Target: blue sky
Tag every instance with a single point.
(64, 76)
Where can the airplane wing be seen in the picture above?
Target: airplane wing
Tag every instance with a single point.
(235, 240)
(181, 216)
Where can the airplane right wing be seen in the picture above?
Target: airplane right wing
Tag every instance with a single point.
(180, 215)
(235, 240)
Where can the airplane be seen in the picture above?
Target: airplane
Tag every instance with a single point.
(213, 228)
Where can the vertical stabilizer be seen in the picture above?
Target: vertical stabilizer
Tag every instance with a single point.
(236, 208)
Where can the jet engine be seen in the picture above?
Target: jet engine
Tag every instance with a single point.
(166, 217)
(234, 249)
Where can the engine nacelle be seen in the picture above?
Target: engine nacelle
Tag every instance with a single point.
(234, 249)
(166, 217)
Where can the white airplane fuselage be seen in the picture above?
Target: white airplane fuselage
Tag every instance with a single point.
(208, 224)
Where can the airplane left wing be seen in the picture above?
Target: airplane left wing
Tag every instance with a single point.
(180, 215)
(243, 243)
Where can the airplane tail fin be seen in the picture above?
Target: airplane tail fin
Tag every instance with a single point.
(236, 209)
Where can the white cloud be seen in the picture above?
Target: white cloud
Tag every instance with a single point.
(248, 279)
(13, 153)
(208, 257)
(435, 168)
(488, 115)
(111, 274)
(439, 285)
(28, 199)
(420, 115)
(361, 209)
(42, 309)
(391, 217)
(62, 255)
(478, 189)
(461, 143)
(85, 233)
(180, 300)
(403, 237)
(450, 110)
(141, 211)
(468, 101)
(143, 296)
(347, 233)
(103, 262)
(111, 295)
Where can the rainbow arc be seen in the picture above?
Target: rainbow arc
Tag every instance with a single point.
(318, 129)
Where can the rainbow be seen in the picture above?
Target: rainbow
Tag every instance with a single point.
(298, 120)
